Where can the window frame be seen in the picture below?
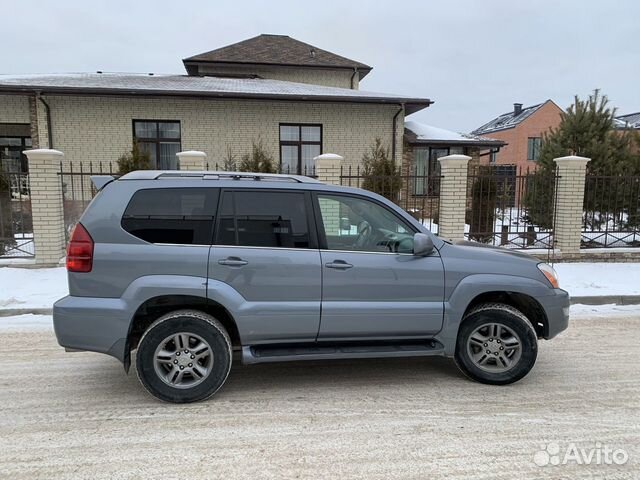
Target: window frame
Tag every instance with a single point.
(298, 143)
(157, 140)
(322, 238)
(429, 171)
(309, 213)
(534, 145)
(24, 164)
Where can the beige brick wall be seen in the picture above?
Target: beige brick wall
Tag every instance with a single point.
(316, 76)
(99, 129)
(14, 109)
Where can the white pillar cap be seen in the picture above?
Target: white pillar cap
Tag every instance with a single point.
(572, 160)
(43, 152)
(454, 160)
(192, 153)
(329, 156)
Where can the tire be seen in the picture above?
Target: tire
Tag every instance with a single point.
(476, 346)
(168, 372)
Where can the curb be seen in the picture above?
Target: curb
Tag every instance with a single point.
(607, 299)
(587, 300)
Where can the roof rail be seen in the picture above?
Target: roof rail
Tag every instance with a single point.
(215, 175)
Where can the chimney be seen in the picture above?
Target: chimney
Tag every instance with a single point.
(517, 109)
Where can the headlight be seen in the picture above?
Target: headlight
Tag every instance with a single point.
(548, 271)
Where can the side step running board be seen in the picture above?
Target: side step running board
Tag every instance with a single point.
(288, 353)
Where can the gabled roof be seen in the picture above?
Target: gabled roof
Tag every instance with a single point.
(276, 50)
(419, 133)
(631, 120)
(508, 120)
(188, 86)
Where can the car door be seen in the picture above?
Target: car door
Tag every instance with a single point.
(266, 250)
(373, 286)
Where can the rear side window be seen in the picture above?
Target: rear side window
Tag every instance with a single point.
(263, 219)
(172, 215)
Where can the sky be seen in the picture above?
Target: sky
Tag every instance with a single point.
(473, 58)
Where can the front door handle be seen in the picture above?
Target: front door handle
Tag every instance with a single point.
(233, 262)
(338, 265)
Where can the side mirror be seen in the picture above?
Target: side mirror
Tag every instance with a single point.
(422, 244)
(345, 224)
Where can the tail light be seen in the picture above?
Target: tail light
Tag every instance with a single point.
(80, 251)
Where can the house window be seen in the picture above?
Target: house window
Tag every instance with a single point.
(493, 156)
(533, 148)
(427, 166)
(161, 140)
(11, 157)
(299, 144)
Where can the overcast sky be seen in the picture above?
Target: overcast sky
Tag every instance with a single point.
(473, 58)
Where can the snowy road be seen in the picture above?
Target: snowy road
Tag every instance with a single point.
(76, 415)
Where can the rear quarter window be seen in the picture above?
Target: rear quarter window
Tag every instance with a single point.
(172, 215)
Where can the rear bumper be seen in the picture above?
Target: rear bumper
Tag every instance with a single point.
(556, 308)
(92, 324)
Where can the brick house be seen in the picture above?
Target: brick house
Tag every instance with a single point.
(297, 99)
(521, 129)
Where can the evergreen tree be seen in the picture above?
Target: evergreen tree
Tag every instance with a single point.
(586, 129)
(380, 172)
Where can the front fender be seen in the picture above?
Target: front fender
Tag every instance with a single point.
(472, 286)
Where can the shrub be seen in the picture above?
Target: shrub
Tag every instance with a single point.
(481, 216)
(258, 161)
(136, 159)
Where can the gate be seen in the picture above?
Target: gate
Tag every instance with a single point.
(16, 225)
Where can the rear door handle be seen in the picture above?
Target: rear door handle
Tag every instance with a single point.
(338, 265)
(233, 262)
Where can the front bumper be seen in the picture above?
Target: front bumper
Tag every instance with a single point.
(92, 324)
(556, 308)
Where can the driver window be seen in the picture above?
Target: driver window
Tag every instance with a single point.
(353, 223)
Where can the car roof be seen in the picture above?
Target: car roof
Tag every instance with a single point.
(215, 175)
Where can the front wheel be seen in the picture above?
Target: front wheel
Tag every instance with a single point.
(184, 356)
(496, 345)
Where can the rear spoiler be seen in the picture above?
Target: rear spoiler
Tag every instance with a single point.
(99, 181)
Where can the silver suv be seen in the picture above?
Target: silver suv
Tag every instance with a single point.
(186, 268)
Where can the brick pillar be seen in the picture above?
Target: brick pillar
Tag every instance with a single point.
(453, 196)
(328, 168)
(569, 205)
(46, 204)
(192, 160)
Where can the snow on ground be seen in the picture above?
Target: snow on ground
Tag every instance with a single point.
(600, 311)
(595, 279)
(32, 287)
(23, 323)
(41, 287)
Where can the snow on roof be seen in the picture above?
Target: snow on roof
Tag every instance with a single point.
(631, 120)
(429, 134)
(151, 84)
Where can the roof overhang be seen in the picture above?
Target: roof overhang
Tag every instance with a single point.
(189, 64)
(411, 105)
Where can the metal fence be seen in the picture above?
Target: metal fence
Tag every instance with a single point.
(77, 189)
(16, 225)
(510, 208)
(418, 194)
(611, 216)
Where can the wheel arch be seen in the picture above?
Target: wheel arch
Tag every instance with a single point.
(154, 307)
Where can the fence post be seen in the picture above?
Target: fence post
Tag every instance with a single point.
(192, 160)
(453, 196)
(569, 203)
(328, 168)
(46, 204)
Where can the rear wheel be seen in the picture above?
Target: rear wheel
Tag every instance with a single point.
(184, 356)
(496, 345)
